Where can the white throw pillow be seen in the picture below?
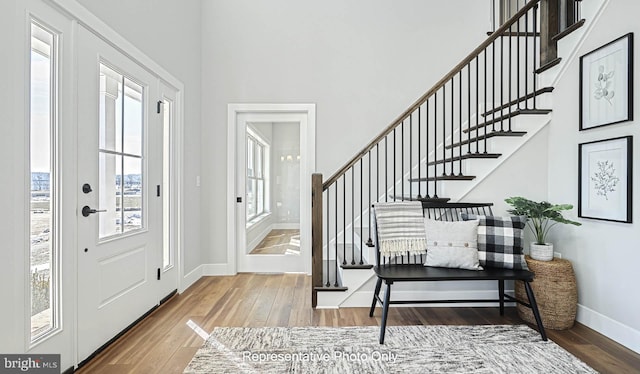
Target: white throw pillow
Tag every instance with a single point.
(452, 244)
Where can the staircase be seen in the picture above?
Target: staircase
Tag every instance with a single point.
(455, 135)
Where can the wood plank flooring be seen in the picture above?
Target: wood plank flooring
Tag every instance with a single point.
(163, 343)
(279, 242)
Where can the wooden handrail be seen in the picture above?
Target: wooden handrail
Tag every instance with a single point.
(476, 52)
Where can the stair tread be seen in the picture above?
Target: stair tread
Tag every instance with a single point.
(466, 156)
(444, 178)
(519, 100)
(548, 65)
(332, 276)
(520, 33)
(568, 30)
(423, 199)
(488, 135)
(506, 116)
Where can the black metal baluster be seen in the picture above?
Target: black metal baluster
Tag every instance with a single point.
(444, 129)
(501, 83)
(535, 53)
(361, 223)
(518, 95)
(452, 136)
(426, 117)
(336, 233)
(493, 87)
(477, 105)
(435, 145)
(344, 220)
(510, 80)
(485, 98)
(410, 155)
(402, 160)
(468, 106)
(369, 241)
(386, 170)
(393, 181)
(460, 146)
(353, 214)
(419, 153)
(526, 60)
(378, 171)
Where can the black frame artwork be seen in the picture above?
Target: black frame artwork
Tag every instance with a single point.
(605, 179)
(606, 84)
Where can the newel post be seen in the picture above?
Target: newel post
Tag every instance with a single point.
(316, 236)
(549, 27)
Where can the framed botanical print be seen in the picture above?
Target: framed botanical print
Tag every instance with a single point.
(606, 84)
(604, 179)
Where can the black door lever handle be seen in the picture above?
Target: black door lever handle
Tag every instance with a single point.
(86, 211)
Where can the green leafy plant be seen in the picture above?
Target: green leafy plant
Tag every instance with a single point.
(542, 215)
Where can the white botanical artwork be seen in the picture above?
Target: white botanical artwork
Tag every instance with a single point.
(604, 179)
(604, 175)
(605, 90)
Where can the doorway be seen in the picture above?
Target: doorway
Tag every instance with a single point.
(271, 158)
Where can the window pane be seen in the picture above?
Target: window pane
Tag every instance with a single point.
(132, 196)
(110, 194)
(259, 160)
(260, 197)
(132, 118)
(42, 229)
(110, 130)
(250, 150)
(251, 196)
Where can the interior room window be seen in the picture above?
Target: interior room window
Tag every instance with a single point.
(43, 264)
(120, 153)
(256, 177)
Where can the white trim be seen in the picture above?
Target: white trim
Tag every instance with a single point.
(609, 327)
(307, 135)
(191, 278)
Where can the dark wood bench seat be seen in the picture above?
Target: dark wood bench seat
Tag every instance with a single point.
(411, 269)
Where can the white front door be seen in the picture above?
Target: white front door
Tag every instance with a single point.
(119, 208)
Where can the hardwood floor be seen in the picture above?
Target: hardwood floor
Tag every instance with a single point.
(279, 242)
(164, 343)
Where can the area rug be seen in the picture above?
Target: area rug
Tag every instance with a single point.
(407, 349)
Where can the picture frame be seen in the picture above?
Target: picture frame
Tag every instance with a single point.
(605, 180)
(606, 84)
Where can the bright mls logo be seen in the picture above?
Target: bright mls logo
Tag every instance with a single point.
(41, 364)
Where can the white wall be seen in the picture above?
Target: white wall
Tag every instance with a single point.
(604, 254)
(169, 32)
(361, 61)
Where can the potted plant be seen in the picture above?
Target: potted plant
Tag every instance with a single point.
(542, 216)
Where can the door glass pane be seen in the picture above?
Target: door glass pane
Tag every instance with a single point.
(132, 195)
(250, 161)
(120, 154)
(110, 194)
(43, 225)
(132, 118)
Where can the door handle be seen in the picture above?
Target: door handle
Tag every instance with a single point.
(86, 211)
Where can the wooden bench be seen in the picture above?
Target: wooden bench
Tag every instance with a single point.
(411, 269)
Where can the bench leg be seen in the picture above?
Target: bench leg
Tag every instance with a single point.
(385, 311)
(501, 295)
(534, 309)
(375, 297)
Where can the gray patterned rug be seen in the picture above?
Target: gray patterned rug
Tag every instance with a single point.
(407, 349)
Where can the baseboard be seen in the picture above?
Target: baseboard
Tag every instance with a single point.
(190, 278)
(363, 298)
(610, 328)
(216, 270)
(286, 226)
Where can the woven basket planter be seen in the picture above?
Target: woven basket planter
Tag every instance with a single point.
(556, 293)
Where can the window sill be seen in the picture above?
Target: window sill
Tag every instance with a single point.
(258, 219)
